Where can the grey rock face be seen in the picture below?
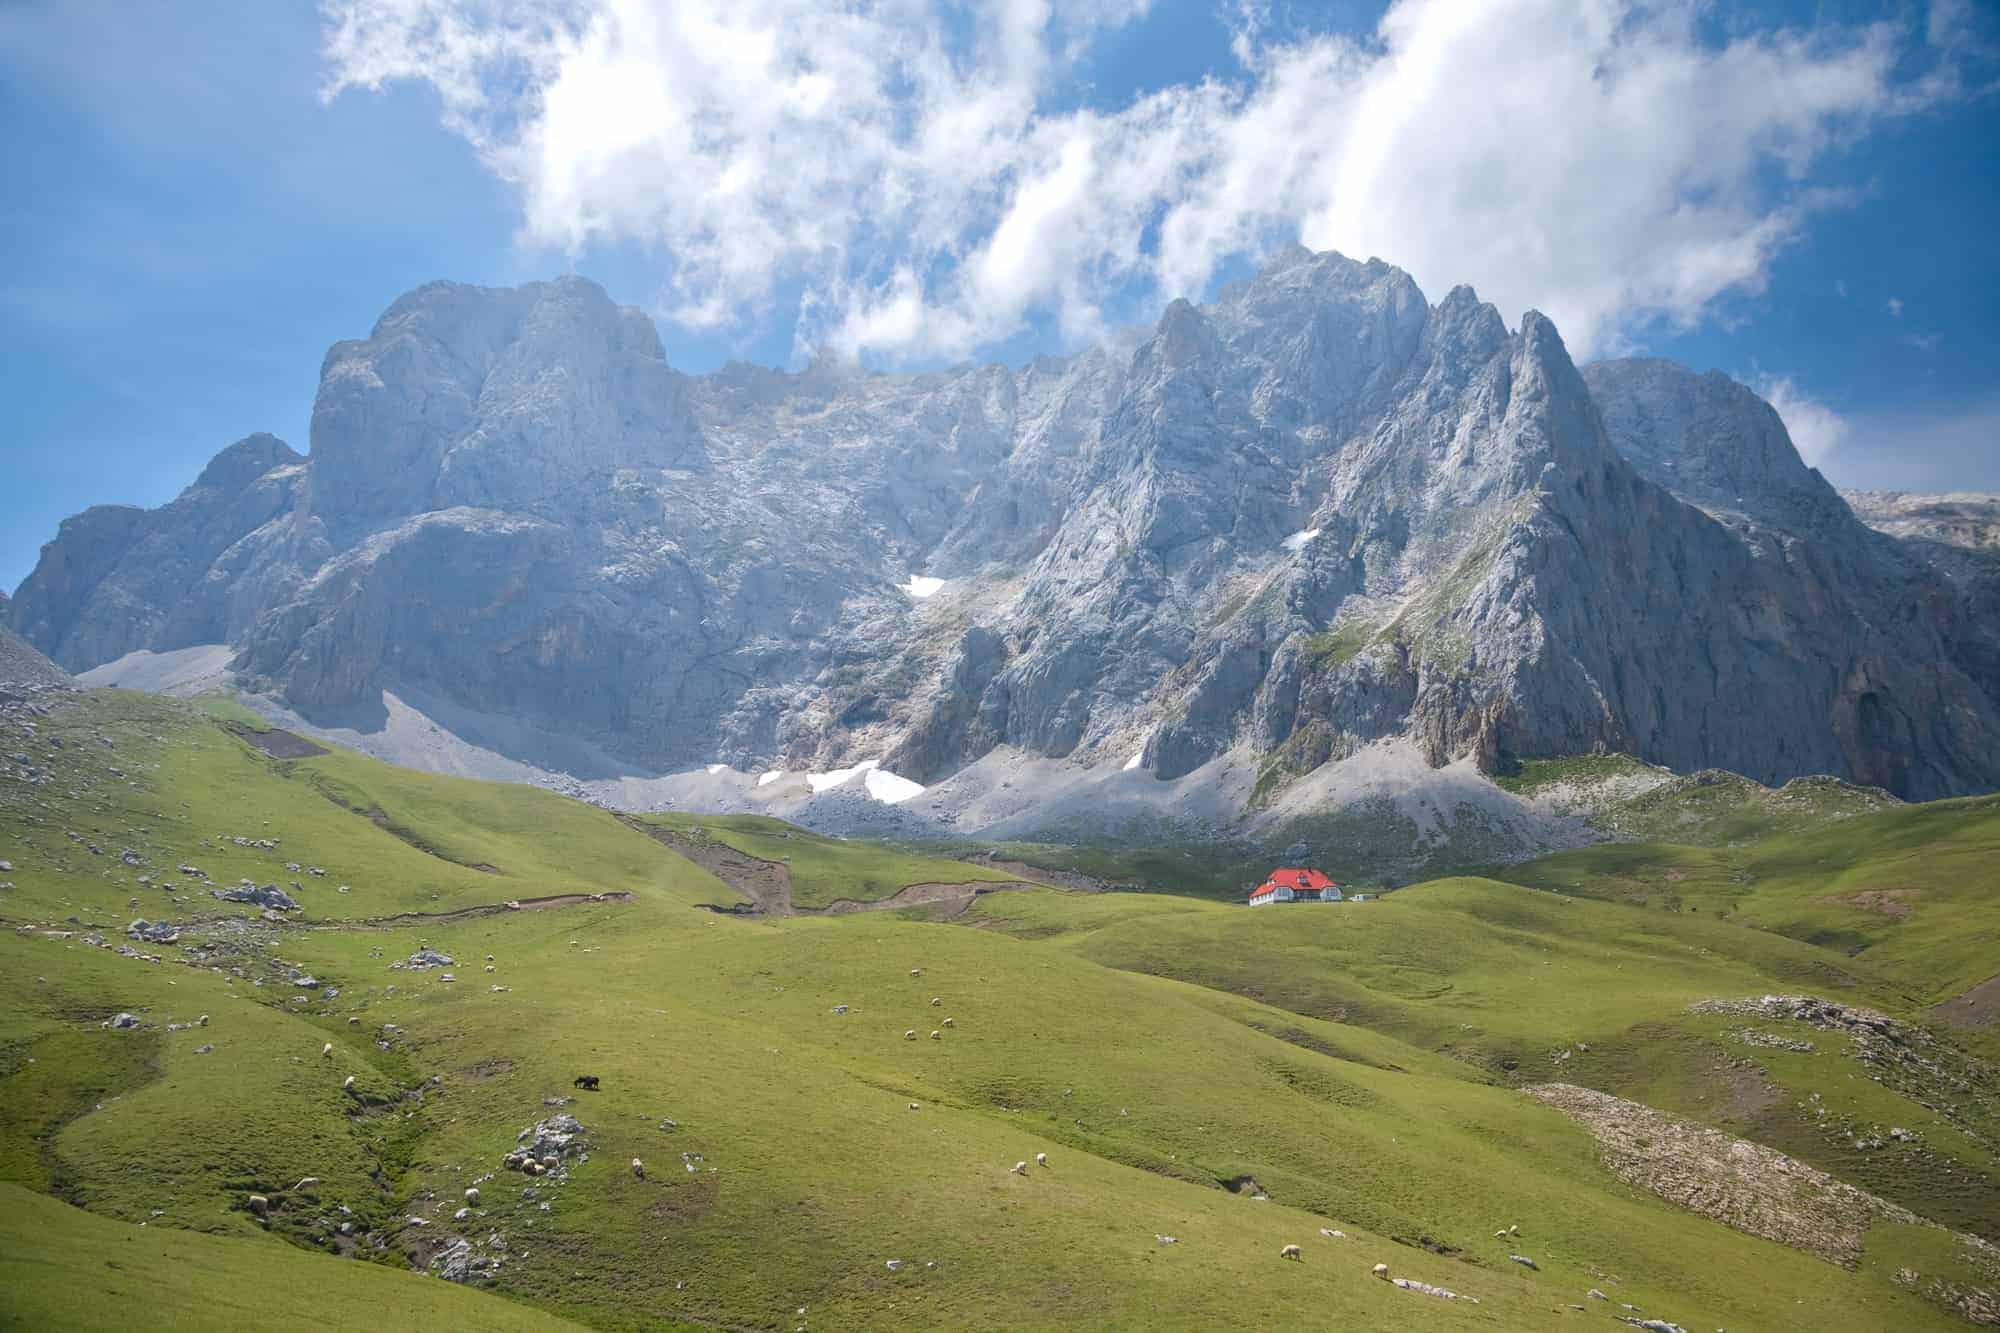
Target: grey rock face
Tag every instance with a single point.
(1313, 513)
(118, 578)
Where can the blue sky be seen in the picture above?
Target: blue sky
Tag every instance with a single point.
(1800, 194)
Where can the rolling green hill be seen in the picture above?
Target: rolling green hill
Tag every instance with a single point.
(1385, 1083)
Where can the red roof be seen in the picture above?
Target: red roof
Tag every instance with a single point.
(1292, 877)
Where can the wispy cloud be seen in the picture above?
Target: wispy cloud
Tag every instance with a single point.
(1817, 431)
(916, 173)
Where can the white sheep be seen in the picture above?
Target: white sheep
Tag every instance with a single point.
(916, 971)
(1382, 1271)
(1041, 1159)
(347, 1084)
(909, 1034)
(937, 1001)
(936, 1035)
(354, 1022)
(638, 1168)
(472, 1195)
(1292, 1252)
(1020, 1168)
(948, 1023)
(915, 1106)
(326, 1051)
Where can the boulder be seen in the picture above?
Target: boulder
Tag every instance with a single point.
(269, 896)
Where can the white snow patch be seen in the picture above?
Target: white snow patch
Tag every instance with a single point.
(884, 786)
(1298, 541)
(767, 779)
(920, 587)
(829, 780)
(889, 788)
(713, 769)
(1133, 762)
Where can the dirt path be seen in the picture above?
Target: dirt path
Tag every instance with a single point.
(955, 897)
(490, 909)
(1072, 880)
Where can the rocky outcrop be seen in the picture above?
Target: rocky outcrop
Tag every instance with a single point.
(24, 671)
(118, 578)
(1314, 513)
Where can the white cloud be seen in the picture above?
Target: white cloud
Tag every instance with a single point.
(1895, 307)
(923, 179)
(1817, 431)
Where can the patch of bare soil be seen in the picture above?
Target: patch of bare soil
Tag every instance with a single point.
(275, 742)
(1977, 1008)
(768, 884)
(1741, 1184)
(1888, 902)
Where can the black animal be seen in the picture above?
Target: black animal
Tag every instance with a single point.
(588, 1082)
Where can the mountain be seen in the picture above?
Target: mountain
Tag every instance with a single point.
(1311, 517)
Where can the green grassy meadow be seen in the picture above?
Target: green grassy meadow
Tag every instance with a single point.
(1236, 1080)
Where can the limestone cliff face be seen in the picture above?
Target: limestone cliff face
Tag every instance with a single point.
(1315, 512)
(118, 578)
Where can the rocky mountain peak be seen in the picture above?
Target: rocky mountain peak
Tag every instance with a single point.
(1312, 514)
(243, 462)
(1711, 441)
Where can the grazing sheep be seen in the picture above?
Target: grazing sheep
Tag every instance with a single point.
(258, 1204)
(937, 1001)
(1020, 1168)
(347, 1084)
(948, 1023)
(1041, 1159)
(1292, 1252)
(936, 1035)
(309, 1185)
(638, 1168)
(909, 1034)
(915, 1107)
(326, 1051)
(472, 1195)
(354, 1022)
(1382, 1271)
(916, 971)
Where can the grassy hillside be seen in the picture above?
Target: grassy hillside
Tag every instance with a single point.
(1913, 889)
(825, 870)
(61, 1269)
(1209, 1083)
